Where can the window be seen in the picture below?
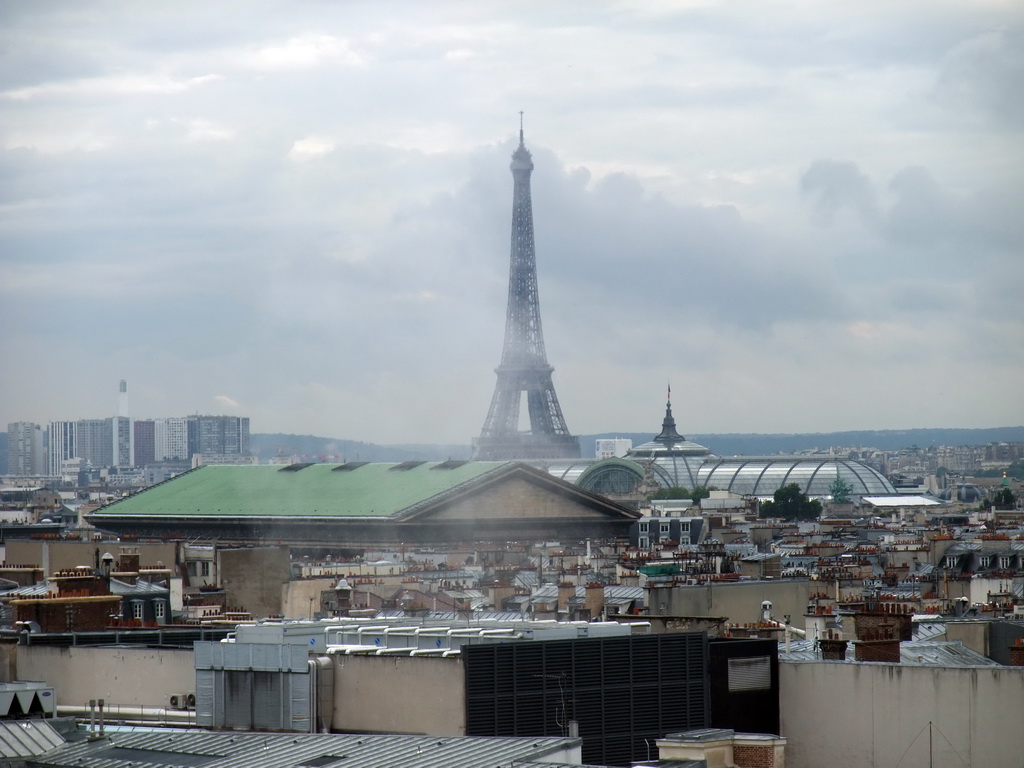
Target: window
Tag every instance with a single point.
(950, 561)
(137, 610)
(985, 561)
(643, 527)
(644, 542)
(1006, 562)
(750, 674)
(204, 568)
(191, 566)
(161, 611)
(664, 529)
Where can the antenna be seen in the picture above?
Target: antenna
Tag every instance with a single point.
(520, 126)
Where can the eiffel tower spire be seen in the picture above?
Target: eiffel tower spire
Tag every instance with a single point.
(524, 366)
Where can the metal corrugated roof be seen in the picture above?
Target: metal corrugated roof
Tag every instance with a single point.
(32, 590)
(27, 738)
(275, 750)
(141, 587)
(371, 490)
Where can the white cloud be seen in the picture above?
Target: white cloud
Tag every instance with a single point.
(155, 84)
(311, 146)
(303, 52)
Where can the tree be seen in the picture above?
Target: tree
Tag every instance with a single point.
(702, 492)
(681, 492)
(1004, 498)
(790, 503)
(840, 490)
(672, 492)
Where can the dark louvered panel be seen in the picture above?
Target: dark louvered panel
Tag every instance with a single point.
(623, 692)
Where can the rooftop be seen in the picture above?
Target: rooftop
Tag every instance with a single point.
(279, 750)
(311, 490)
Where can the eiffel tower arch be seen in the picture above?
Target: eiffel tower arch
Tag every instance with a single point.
(524, 368)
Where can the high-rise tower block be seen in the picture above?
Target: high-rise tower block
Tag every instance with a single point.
(524, 369)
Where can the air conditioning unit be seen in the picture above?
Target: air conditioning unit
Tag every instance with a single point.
(180, 700)
(190, 701)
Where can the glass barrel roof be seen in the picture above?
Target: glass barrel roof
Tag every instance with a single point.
(762, 476)
(672, 460)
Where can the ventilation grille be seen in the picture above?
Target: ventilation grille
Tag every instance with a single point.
(750, 674)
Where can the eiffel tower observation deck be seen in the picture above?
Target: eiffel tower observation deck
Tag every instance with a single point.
(524, 371)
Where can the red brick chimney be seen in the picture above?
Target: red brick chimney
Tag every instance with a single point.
(879, 645)
(833, 650)
(1017, 653)
(566, 592)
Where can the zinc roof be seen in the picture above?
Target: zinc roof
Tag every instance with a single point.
(24, 738)
(923, 653)
(315, 490)
(157, 749)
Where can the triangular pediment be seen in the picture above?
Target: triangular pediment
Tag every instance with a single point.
(519, 492)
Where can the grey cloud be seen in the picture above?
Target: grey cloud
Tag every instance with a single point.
(984, 75)
(836, 186)
(359, 289)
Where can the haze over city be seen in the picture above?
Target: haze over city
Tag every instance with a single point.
(805, 219)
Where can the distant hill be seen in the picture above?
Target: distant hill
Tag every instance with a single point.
(312, 448)
(330, 450)
(883, 440)
(326, 449)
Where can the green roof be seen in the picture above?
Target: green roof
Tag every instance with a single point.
(313, 490)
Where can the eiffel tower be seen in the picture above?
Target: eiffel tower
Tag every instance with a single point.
(524, 366)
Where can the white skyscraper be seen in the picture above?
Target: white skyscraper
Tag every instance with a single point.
(25, 454)
(122, 434)
(170, 438)
(63, 445)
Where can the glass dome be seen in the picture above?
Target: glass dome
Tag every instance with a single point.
(670, 460)
(612, 476)
(673, 460)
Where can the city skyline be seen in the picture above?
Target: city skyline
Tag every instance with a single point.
(805, 222)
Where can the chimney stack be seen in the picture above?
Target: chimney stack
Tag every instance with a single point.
(1017, 653)
(878, 645)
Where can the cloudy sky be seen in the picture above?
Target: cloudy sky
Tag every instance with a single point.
(805, 215)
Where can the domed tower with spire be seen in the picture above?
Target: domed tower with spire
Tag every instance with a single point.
(524, 368)
(670, 455)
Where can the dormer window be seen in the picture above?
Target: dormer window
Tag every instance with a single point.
(1006, 562)
(950, 561)
(985, 561)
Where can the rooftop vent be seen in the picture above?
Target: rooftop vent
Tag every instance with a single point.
(450, 464)
(349, 466)
(319, 762)
(406, 465)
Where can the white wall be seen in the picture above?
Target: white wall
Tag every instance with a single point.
(870, 715)
(131, 677)
(399, 694)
